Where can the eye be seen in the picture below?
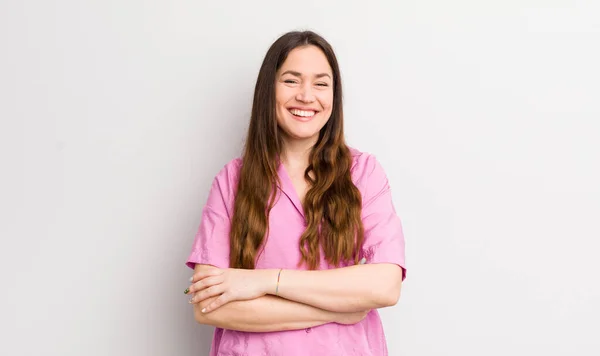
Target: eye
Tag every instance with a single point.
(322, 84)
(289, 81)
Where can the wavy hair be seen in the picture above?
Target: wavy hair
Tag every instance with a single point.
(332, 204)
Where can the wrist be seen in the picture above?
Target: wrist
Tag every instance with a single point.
(269, 281)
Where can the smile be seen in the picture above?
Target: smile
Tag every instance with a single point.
(302, 115)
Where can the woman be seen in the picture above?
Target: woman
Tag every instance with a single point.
(279, 255)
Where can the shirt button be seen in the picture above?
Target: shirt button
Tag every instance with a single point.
(308, 330)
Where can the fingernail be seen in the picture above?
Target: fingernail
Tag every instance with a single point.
(191, 279)
(186, 291)
(190, 301)
(204, 310)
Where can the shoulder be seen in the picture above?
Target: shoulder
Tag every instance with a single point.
(230, 171)
(364, 165)
(367, 173)
(224, 185)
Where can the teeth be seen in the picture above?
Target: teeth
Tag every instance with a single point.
(302, 113)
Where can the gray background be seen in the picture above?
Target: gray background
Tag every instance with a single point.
(116, 115)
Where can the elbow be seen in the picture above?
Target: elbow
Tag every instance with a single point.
(391, 297)
(200, 317)
(203, 318)
(392, 290)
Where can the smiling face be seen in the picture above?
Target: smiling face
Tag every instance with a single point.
(304, 94)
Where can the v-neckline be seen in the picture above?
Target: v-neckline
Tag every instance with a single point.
(287, 187)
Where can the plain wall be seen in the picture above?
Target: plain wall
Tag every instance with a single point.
(116, 115)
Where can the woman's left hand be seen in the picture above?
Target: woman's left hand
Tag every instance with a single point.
(230, 284)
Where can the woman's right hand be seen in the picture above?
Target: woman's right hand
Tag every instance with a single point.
(351, 318)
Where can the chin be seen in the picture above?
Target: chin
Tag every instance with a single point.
(302, 135)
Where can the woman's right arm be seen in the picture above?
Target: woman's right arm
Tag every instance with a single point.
(269, 313)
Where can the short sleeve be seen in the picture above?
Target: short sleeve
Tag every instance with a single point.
(211, 243)
(384, 238)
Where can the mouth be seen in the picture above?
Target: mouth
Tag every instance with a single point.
(302, 115)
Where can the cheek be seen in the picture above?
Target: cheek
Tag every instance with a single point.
(327, 101)
(283, 94)
(280, 101)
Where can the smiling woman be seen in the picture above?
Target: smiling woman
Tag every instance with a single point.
(279, 255)
(304, 99)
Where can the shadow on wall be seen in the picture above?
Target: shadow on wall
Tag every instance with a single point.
(201, 338)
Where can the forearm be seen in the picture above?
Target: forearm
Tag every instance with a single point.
(264, 314)
(347, 289)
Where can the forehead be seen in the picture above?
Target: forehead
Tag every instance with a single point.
(307, 60)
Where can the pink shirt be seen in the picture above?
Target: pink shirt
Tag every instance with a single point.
(384, 243)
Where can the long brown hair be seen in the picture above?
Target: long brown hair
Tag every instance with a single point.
(332, 205)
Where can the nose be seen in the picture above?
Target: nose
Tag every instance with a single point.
(305, 94)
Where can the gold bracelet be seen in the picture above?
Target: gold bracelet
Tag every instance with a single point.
(278, 276)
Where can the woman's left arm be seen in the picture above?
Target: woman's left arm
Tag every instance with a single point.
(373, 285)
(346, 289)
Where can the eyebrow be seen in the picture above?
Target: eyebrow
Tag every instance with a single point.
(298, 74)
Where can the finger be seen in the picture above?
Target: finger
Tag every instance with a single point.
(207, 293)
(219, 302)
(205, 272)
(205, 283)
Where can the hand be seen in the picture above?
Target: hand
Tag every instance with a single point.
(229, 284)
(351, 318)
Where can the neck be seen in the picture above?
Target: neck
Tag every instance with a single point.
(297, 152)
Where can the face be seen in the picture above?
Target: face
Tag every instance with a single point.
(304, 94)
